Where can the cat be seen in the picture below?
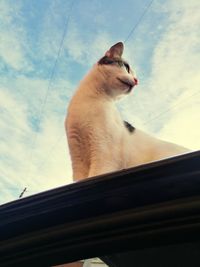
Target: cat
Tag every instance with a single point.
(98, 138)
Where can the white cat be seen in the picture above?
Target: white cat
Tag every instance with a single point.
(99, 140)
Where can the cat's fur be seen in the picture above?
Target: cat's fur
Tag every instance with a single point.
(99, 140)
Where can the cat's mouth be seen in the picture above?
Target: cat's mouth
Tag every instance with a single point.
(130, 84)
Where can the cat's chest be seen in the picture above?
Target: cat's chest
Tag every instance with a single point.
(97, 122)
(109, 121)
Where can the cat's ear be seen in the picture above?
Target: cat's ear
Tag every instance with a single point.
(115, 51)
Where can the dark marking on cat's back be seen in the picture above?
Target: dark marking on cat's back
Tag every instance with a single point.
(129, 127)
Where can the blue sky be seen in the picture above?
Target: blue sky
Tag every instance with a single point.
(164, 50)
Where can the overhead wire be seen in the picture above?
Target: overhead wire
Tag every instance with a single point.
(139, 21)
(51, 150)
(51, 77)
(171, 108)
(56, 62)
(58, 55)
(128, 37)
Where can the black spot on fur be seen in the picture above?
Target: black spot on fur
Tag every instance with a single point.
(129, 127)
(106, 60)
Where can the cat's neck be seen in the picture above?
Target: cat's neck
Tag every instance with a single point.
(94, 85)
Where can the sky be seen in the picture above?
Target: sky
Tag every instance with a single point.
(47, 46)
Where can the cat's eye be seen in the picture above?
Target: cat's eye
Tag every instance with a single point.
(127, 67)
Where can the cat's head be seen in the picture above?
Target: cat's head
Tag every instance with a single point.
(119, 77)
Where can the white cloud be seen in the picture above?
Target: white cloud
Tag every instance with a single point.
(14, 129)
(84, 51)
(38, 161)
(11, 50)
(176, 73)
(183, 127)
(13, 41)
(9, 11)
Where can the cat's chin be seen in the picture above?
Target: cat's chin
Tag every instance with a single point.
(130, 89)
(128, 83)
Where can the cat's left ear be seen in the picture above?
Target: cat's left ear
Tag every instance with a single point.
(115, 51)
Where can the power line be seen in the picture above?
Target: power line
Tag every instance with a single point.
(127, 38)
(57, 56)
(56, 60)
(51, 76)
(51, 150)
(171, 108)
(139, 20)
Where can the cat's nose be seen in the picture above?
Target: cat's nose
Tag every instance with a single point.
(135, 81)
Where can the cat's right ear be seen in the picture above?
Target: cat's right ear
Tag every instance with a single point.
(115, 51)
